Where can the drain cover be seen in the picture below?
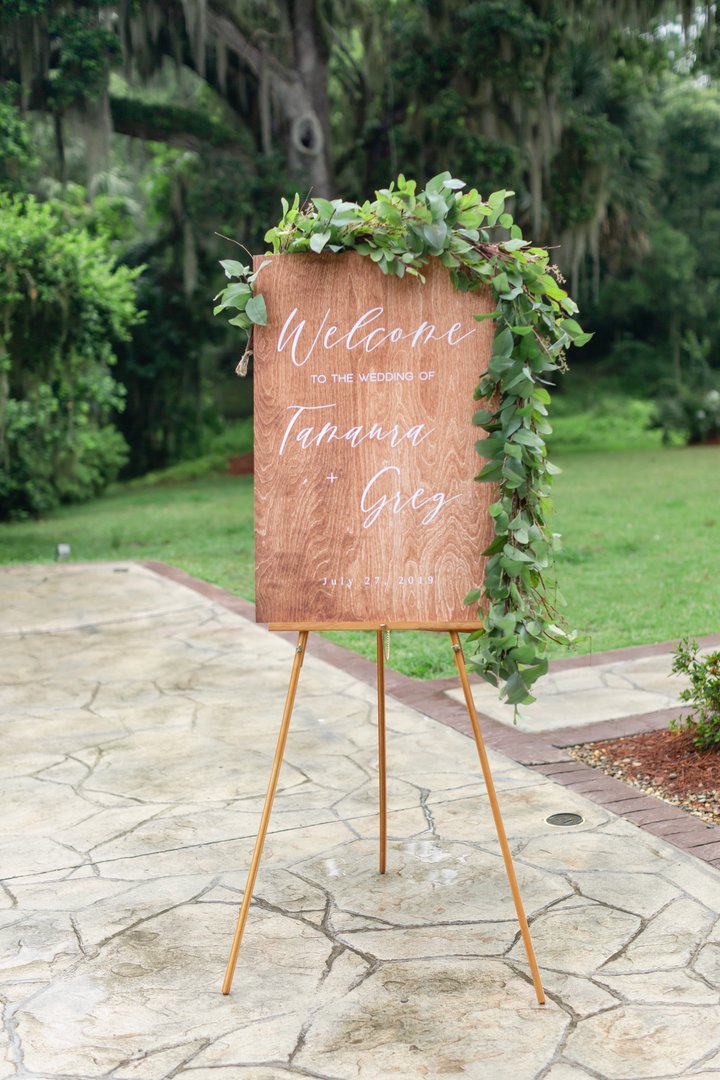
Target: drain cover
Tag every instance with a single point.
(564, 819)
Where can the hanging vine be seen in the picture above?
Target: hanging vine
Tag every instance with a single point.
(480, 245)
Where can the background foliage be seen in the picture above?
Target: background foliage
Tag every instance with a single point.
(158, 126)
(62, 305)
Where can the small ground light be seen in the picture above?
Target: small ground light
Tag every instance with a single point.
(62, 552)
(564, 819)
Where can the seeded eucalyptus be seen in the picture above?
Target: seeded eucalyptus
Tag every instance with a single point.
(480, 244)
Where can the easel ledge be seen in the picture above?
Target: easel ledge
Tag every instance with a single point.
(448, 628)
(381, 628)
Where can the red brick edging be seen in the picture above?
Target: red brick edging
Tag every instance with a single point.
(545, 753)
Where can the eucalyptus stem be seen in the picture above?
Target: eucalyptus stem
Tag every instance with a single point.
(401, 230)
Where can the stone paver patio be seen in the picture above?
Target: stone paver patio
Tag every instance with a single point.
(588, 695)
(138, 723)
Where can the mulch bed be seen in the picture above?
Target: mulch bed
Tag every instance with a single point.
(661, 763)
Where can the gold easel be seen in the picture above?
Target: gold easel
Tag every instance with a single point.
(275, 773)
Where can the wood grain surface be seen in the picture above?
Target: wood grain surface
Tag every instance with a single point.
(366, 511)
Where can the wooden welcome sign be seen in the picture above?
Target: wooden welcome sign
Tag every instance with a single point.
(366, 511)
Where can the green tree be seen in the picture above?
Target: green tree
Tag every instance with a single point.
(553, 101)
(17, 157)
(658, 315)
(63, 306)
(267, 63)
(576, 108)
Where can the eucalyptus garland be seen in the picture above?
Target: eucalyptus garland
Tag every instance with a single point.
(479, 243)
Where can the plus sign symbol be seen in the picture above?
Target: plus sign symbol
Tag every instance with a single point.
(332, 477)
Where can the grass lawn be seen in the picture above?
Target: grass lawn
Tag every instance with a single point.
(641, 556)
(203, 526)
(640, 564)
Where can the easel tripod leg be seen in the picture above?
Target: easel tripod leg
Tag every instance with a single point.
(267, 809)
(381, 749)
(497, 817)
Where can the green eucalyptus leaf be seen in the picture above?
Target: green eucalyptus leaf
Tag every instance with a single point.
(516, 690)
(503, 343)
(233, 268)
(237, 289)
(437, 183)
(436, 234)
(524, 654)
(256, 310)
(571, 327)
(482, 416)
(582, 339)
(319, 240)
(324, 207)
(491, 471)
(495, 547)
(497, 199)
(514, 245)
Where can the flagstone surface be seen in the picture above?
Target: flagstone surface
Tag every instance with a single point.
(138, 721)
(590, 694)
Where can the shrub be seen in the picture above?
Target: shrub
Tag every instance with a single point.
(605, 421)
(63, 306)
(703, 694)
(692, 413)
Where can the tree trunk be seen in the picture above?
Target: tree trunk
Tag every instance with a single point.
(310, 148)
(4, 398)
(300, 91)
(675, 344)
